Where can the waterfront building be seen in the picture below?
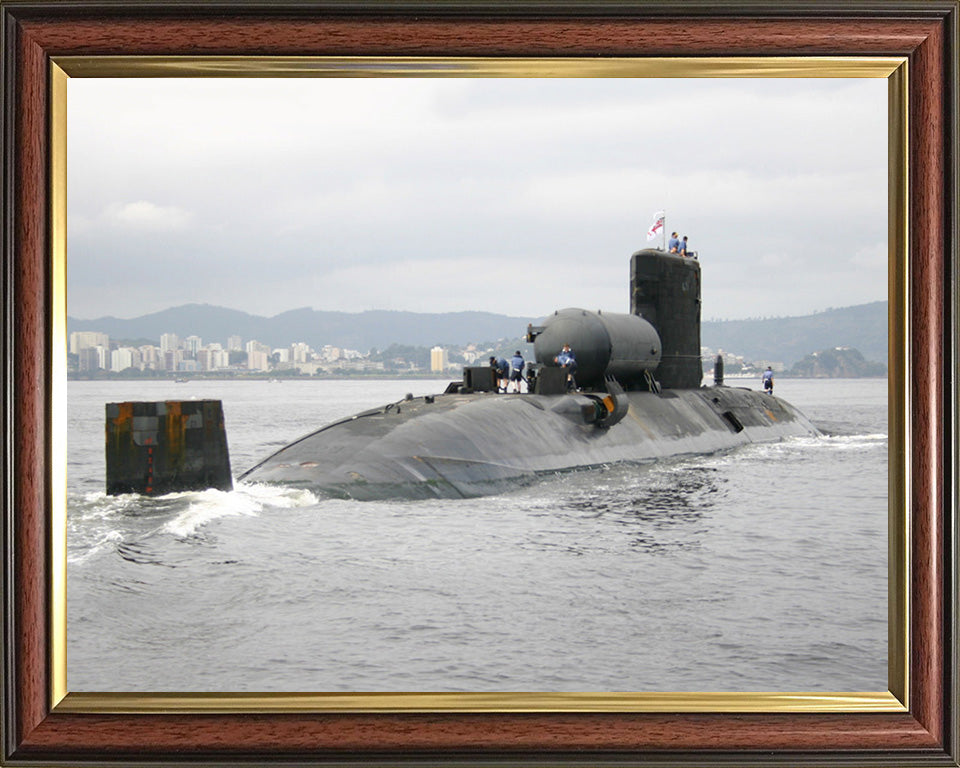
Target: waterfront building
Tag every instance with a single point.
(123, 358)
(213, 358)
(171, 359)
(150, 357)
(219, 359)
(80, 340)
(300, 352)
(89, 359)
(439, 360)
(330, 353)
(257, 359)
(168, 343)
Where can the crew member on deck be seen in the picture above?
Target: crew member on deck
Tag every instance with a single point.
(516, 370)
(501, 370)
(673, 244)
(768, 380)
(566, 359)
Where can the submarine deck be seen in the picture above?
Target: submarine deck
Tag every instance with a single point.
(464, 445)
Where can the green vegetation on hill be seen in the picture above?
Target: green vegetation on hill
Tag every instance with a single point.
(789, 339)
(837, 363)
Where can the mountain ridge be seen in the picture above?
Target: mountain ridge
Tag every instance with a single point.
(361, 330)
(784, 339)
(790, 339)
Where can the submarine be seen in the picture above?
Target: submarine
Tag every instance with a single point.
(635, 397)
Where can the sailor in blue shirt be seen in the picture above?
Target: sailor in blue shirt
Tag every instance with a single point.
(673, 244)
(502, 371)
(566, 359)
(516, 370)
(768, 380)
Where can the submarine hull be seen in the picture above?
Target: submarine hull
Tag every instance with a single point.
(467, 445)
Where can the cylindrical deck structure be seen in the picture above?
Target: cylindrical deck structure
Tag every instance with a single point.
(624, 346)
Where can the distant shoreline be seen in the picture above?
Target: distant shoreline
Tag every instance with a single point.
(265, 377)
(707, 379)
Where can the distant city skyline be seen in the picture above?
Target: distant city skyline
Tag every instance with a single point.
(432, 195)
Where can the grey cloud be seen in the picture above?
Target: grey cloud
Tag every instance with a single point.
(551, 184)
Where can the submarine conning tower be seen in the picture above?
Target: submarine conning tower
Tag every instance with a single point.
(665, 291)
(659, 340)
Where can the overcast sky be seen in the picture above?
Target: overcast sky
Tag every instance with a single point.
(515, 196)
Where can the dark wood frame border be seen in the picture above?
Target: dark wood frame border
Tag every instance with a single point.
(925, 31)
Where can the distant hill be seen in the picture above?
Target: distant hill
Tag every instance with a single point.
(786, 339)
(789, 339)
(836, 362)
(361, 331)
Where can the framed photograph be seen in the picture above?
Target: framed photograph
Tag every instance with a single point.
(907, 50)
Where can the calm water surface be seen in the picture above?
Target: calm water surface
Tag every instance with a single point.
(764, 568)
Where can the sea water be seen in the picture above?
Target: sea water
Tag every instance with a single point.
(762, 568)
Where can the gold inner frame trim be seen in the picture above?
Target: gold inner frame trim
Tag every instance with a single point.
(383, 703)
(898, 392)
(429, 66)
(894, 69)
(58, 382)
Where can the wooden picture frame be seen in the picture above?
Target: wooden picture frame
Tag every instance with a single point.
(38, 728)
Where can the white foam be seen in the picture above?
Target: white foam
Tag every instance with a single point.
(278, 495)
(854, 439)
(249, 500)
(831, 442)
(97, 505)
(106, 540)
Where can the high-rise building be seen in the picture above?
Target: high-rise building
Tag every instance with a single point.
(80, 340)
(213, 358)
(171, 359)
(439, 360)
(150, 356)
(123, 358)
(235, 344)
(192, 344)
(300, 352)
(219, 359)
(257, 359)
(330, 353)
(255, 346)
(89, 359)
(169, 342)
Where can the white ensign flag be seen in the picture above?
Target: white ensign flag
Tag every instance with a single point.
(656, 226)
